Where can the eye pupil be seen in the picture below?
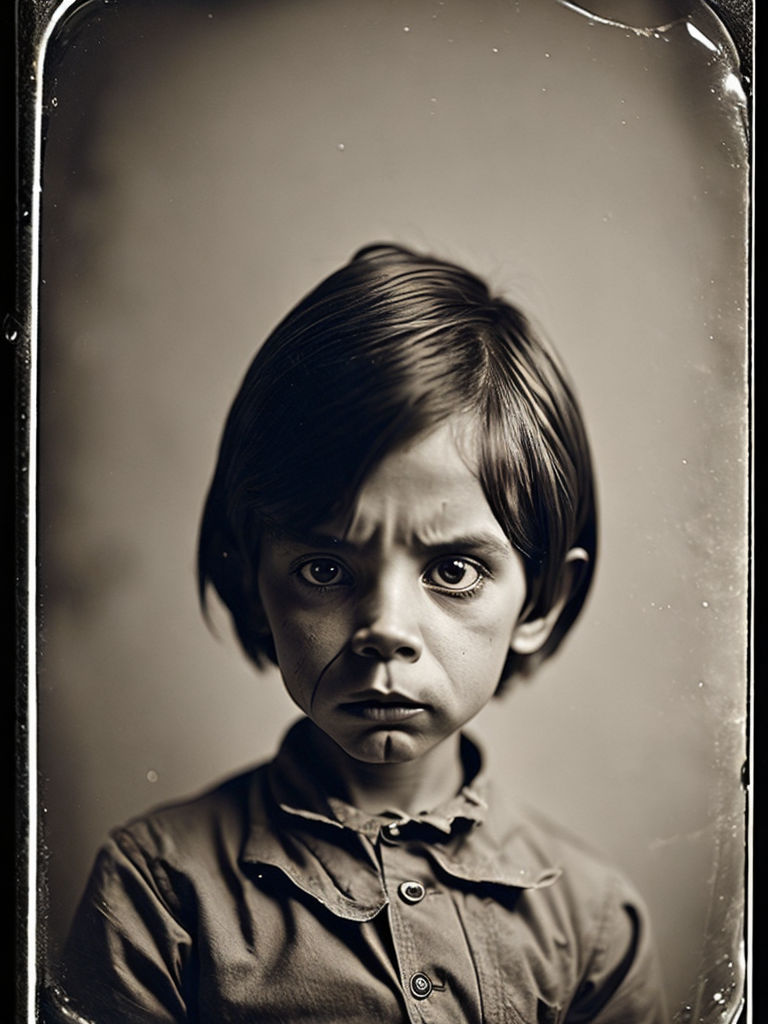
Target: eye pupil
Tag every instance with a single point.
(324, 571)
(453, 571)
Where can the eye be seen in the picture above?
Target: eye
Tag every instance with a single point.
(455, 575)
(324, 572)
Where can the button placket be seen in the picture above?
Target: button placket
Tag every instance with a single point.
(406, 915)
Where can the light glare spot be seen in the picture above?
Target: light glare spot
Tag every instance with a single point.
(694, 33)
(732, 84)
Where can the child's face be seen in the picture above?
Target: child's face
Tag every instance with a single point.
(392, 624)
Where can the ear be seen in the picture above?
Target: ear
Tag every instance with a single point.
(530, 635)
(257, 617)
(258, 623)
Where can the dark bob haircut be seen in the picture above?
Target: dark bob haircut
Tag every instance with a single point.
(382, 351)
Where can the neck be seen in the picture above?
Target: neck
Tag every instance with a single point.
(409, 786)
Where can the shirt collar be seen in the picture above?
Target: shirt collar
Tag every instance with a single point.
(300, 791)
(319, 841)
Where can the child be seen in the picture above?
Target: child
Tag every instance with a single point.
(402, 518)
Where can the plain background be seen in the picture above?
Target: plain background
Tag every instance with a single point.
(205, 166)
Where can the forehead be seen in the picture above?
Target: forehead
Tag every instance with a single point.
(425, 491)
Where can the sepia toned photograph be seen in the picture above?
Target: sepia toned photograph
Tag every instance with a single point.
(389, 554)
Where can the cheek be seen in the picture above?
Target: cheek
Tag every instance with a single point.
(487, 624)
(473, 654)
(305, 641)
(504, 610)
(475, 648)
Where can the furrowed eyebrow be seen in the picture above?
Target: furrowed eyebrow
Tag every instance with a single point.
(477, 543)
(471, 543)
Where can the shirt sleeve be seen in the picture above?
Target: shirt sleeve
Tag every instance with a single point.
(622, 983)
(127, 954)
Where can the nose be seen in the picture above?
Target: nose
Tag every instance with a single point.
(386, 644)
(387, 632)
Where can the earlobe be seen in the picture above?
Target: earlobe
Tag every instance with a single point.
(530, 635)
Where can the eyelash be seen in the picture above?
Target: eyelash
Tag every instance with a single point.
(473, 590)
(346, 577)
(320, 588)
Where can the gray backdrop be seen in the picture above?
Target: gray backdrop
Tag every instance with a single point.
(207, 164)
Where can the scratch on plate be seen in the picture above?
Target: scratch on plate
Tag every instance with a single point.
(647, 32)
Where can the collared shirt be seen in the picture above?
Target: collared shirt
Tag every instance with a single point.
(269, 900)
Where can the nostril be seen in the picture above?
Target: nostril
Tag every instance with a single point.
(380, 646)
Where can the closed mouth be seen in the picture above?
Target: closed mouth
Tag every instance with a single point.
(387, 709)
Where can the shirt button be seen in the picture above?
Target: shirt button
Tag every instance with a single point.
(391, 832)
(412, 892)
(420, 985)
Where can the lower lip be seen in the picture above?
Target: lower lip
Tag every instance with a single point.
(386, 713)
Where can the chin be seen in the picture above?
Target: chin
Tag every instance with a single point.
(386, 746)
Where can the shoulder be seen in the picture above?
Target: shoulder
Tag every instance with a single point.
(595, 916)
(209, 825)
(553, 845)
(587, 886)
